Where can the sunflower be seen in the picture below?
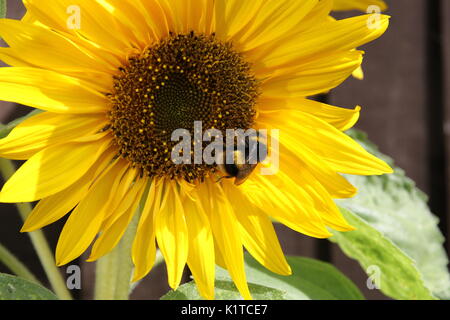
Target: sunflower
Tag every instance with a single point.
(115, 84)
(362, 5)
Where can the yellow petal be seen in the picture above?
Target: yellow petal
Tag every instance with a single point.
(144, 246)
(341, 118)
(172, 234)
(124, 191)
(314, 184)
(234, 15)
(275, 19)
(363, 5)
(97, 24)
(292, 155)
(336, 185)
(129, 200)
(159, 23)
(337, 149)
(188, 14)
(319, 14)
(53, 208)
(227, 235)
(282, 199)
(97, 80)
(358, 73)
(47, 129)
(323, 203)
(115, 229)
(49, 49)
(201, 259)
(310, 19)
(131, 21)
(85, 221)
(209, 18)
(257, 232)
(220, 261)
(325, 39)
(48, 90)
(52, 170)
(318, 76)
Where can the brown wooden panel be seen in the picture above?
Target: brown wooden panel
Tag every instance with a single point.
(436, 113)
(446, 47)
(393, 96)
(294, 243)
(16, 10)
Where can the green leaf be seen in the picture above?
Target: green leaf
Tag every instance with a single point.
(225, 290)
(311, 280)
(399, 276)
(2, 8)
(5, 129)
(396, 232)
(14, 288)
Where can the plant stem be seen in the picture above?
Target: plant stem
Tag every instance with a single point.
(39, 242)
(16, 266)
(105, 276)
(125, 263)
(114, 271)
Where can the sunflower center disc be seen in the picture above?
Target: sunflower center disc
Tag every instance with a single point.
(180, 80)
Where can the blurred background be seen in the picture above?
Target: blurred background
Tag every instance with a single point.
(406, 111)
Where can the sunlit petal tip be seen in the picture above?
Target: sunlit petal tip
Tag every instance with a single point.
(93, 258)
(64, 258)
(27, 228)
(358, 73)
(208, 296)
(384, 168)
(385, 20)
(389, 169)
(353, 192)
(174, 285)
(137, 277)
(349, 193)
(325, 236)
(353, 120)
(61, 261)
(286, 271)
(350, 228)
(343, 227)
(5, 198)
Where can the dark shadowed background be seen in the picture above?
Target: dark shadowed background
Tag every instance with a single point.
(406, 111)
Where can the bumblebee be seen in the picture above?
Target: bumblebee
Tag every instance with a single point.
(244, 161)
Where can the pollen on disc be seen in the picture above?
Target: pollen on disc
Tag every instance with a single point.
(181, 79)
